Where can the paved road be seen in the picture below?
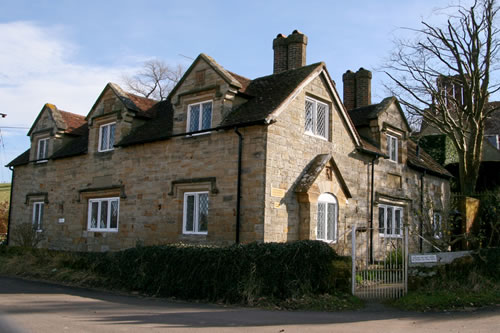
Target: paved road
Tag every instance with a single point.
(27, 306)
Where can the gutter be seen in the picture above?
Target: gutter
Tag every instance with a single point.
(376, 157)
(214, 129)
(11, 168)
(421, 223)
(238, 189)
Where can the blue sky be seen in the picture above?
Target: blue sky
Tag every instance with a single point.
(64, 52)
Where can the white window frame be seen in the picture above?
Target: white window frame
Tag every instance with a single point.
(393, 233)
(392, 144)
(45, 142)
(326, 199)
(196, 216)
(314, 131)
(37, 220)
(110, 146)
(200, 120)
(437, 225)
(108, 216)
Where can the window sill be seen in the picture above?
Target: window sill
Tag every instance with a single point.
(195, 233)
(390, 236)
(41, 161)
(316, 136)
(328, 241)
(197, 134)
(105, 151)
(103, 230)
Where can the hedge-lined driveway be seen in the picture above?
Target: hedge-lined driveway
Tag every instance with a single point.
(27, 306)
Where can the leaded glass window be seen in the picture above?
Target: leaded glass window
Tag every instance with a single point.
(103, 214)
(326, 226)
(392, 148)
(316, 118)
(42, 149)
(199, 116)
(390, 219)
(37, 215)
(195, 213)
(107, 137)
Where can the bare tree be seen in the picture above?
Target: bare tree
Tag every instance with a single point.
(155, 80)
(444, 78)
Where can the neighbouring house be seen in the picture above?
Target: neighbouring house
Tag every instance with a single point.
(227, 159)
(440, 147)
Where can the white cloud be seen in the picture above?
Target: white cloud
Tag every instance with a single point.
(37, 68)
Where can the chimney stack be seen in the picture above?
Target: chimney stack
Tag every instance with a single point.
(289, 52)
(357, 88)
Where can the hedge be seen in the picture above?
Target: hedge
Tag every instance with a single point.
(237, 273)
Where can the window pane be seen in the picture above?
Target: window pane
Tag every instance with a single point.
(194, 117)
(93, 214)
(321, 221)
(388, 229)
(111, 136)
(202, 212)
(381, 221)
(114, 214)
(189, 212)
(40, 215)
(103, 220)
(104, 137)
(397, 214)
(207, 116)
(309, 116)
(321, 119)
(331, 225)
(394, 149)
(35, 216)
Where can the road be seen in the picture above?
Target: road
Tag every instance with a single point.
(27, 306)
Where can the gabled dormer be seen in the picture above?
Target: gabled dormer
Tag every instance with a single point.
(205, 95)
(50, 130)
(113, 115)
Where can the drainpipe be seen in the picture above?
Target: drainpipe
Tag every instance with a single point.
(371, 206)
(238, 191)
(11, 168)
(421, 223)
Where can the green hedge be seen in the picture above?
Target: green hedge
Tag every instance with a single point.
(235, 273)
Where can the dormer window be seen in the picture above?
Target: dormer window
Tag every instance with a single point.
(107, 137)
(316, 118)
(392, 148)
(199, 116)
(42, 149)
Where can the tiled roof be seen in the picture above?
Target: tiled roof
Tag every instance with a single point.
(370, 147)
(24, 158)
(424, 161)
(74, 122)
(145, 105)
(267, 93)
(241, 79)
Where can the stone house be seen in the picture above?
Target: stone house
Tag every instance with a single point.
(226, 159)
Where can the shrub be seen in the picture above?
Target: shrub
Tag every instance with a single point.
(234, 273)
(25, 235)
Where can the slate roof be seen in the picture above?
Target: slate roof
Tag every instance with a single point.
(268, 93)
(22, 159)
(362, 116)
(157, 129)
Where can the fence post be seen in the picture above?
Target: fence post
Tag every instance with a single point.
(353, 255)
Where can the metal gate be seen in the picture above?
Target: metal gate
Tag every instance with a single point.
(380, 269)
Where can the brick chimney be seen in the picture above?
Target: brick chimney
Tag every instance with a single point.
(357, 88)
(289, 52)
